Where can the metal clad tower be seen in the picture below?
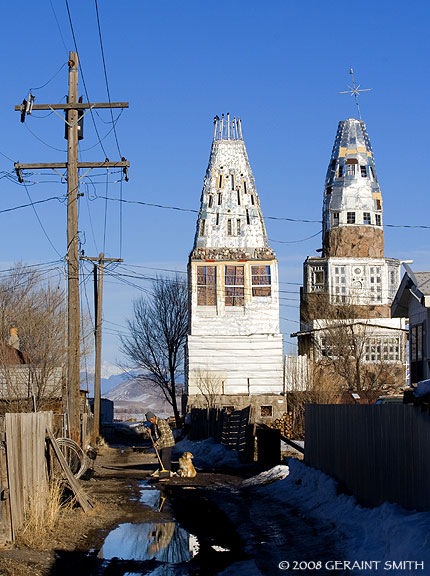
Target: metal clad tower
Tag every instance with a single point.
(234, 345)
(352, 275)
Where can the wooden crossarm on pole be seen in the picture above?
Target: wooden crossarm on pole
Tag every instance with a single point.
(74, 106)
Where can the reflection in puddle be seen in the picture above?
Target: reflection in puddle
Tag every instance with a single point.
(150, 497)
(165, 542)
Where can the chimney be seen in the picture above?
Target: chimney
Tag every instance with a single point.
(14, 338)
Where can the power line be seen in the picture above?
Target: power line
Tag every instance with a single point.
(60, 198)
(43, 141)
(3, 154)
(180, 209)
(50, 80)
(58, 25)
(83, 78)
(106, 76)
(295, 241)
(39, 220)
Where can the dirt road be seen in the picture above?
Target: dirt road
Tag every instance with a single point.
(184, 527)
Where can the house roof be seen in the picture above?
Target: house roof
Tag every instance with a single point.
(413, 285)
(10, 356)
(423, 279)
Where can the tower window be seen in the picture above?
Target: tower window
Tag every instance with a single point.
(375, 284)
(339, 284)
(238, 197)
(328, 190)
(244, 186)
(350, 217)
(349, 169)
(248, 221)
(220, 181)
(366, 218)
(219, 198)
(377, 219)
(261, 282)
(372, 171)
(206, 285)
(317, 279)
(363, 171)
(234, 285)
(340, 171)
(378, 204)
(211, 201)
(335, 219)
(217, 219)
(238, 227)
(252, 199)
(202, 227)
(229, 227)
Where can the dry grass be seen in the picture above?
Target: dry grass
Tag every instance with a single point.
(44, 511)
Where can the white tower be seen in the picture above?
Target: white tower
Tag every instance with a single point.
(352, 274)
(234, 346)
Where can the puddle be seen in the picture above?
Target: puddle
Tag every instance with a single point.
(151, 498)
(165, 542)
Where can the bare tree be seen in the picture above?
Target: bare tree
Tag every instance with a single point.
(209, 385)
(157, 336)
(355, 351)
(37, 310)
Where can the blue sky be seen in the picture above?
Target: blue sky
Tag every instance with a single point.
(279, 65)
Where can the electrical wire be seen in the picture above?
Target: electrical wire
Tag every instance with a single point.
(180, 209)
(40, 222)
(58, 26)
(50, 80)
(3, 154)
(106, 76)
(83, 78)
(295, 241)
(43, 141)
(31, 204)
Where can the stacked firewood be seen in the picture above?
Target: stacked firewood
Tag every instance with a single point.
(284, 424)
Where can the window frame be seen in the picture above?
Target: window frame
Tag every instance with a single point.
(258, 283)
(234, 292)
(202, 287)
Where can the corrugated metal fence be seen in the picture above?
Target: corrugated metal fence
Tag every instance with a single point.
(377, 452)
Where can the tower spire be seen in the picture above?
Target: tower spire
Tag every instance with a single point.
(355, 91)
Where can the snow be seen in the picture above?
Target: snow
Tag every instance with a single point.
(385, 533)
(207, 453)
(268, 476)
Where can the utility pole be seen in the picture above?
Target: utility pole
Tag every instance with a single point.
(72, 108)
(98, 303)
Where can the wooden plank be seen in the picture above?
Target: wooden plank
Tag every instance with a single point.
(26, 462)
(81, 497)
(74, 106)
(40, 165)
(5, 517)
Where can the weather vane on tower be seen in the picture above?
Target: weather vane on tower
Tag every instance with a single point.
(355, 91)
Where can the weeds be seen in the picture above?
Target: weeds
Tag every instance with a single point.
(43, 513)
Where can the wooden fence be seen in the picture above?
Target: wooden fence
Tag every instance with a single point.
(26, 461)
(376, 452)
(230, 429)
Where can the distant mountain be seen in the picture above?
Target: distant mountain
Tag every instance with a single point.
(135, 396)
(106, 384)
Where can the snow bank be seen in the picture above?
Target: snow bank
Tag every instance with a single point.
(388, 532)
(207, 453)
(268, 476)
